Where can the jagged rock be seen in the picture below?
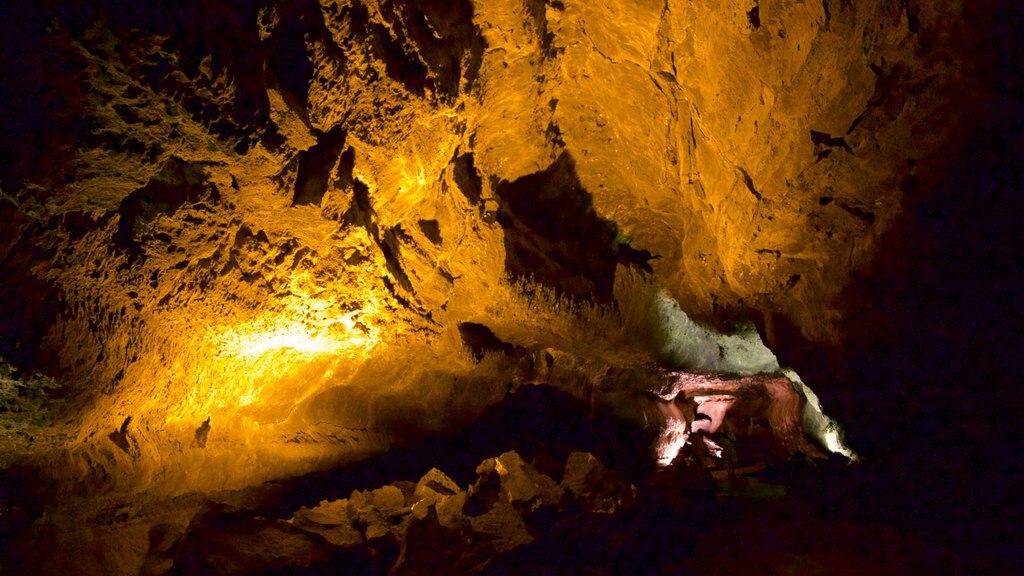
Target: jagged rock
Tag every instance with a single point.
(389, 500)
(431, 491)
(450, 510)
(224, 541)
(485, 493)
(276, 216)
(503, 527)
(432, 547)
(596, 487)
(521, 483)
(332, 520)
(374, 520)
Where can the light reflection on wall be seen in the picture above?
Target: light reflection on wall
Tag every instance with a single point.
(276, 358)
(705, 403)
(342, 335)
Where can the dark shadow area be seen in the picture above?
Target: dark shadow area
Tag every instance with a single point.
(430, 46)
(221, 537)
(481, 340)
(45, 100)
(178, 183)
(681, 521)
(28, 307)
(539, 422)
(467, 178)
(316, 165)
(927, 380)
(553, 234)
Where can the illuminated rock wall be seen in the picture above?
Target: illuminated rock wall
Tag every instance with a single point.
(245, 234)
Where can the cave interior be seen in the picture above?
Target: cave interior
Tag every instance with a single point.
(508, 286)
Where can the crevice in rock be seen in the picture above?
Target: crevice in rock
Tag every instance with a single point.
(866, 216)
(178, 183)
(287, 59)
(390, 246)
(316, 166)
(399, 63)
(444, 36)
(361, 213)
(640, 259)
(432, 230)
(426, 45)
(120, 437)
(754, 16)
(749, 183)
(480, 340)
(553, 234)
(913, 21)
(467, 178)
(202, 434)
(538, 13)
(825, 143)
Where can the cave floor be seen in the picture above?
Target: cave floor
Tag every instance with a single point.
(801, 516)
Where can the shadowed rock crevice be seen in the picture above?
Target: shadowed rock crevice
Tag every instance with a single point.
(177, 183)
(288, 43)
(316, 166)
(361, 213)
(467, 178)
(424, 44)
(480, 340)
(553, 234)
(444, 34)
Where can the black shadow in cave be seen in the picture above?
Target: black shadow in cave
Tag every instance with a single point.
(316, 165)
(178, 183)
(554, 235)
(927, 380)
(539, 422)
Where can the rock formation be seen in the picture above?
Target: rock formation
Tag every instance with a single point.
(248, 240)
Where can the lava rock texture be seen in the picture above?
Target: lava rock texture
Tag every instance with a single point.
(252, 239)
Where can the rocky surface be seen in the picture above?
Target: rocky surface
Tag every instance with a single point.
(424, 527)
(504, 521)
(255, 239)
(220, 181)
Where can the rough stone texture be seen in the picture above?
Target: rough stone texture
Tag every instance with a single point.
(244, 234)
(597, 488)
(346, 177)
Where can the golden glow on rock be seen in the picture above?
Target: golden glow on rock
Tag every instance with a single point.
(344, 335)
(276, 358)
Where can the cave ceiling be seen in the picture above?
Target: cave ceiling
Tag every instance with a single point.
(274, 235)
(398, 284)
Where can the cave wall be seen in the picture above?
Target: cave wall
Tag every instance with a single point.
(255, 215)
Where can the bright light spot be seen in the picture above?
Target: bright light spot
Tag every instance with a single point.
(713, 448)
(254, 341)
(672, 440)
(834, 442)
(253, 363)
(815, 423)
(308, 333)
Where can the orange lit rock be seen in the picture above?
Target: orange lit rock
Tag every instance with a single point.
(265, 223)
